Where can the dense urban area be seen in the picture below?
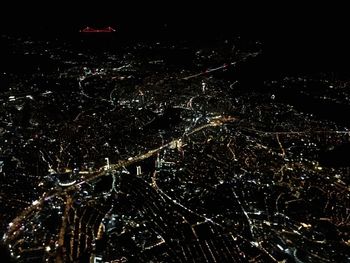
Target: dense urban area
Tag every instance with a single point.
(161, 151)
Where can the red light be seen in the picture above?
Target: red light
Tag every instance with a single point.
(95, 30)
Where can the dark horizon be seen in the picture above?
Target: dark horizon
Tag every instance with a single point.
(180, 18)
(292, 34)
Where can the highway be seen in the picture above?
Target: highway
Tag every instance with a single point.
(15, 225)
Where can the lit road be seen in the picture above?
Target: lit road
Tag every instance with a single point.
(14, 226)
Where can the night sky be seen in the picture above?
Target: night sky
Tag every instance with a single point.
(313, 35)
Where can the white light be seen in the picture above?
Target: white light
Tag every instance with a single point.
(138, 170)
(47, 249)
(35, 202)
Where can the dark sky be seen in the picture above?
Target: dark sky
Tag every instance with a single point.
(179, 16)
(213, 17)
(313, 32)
